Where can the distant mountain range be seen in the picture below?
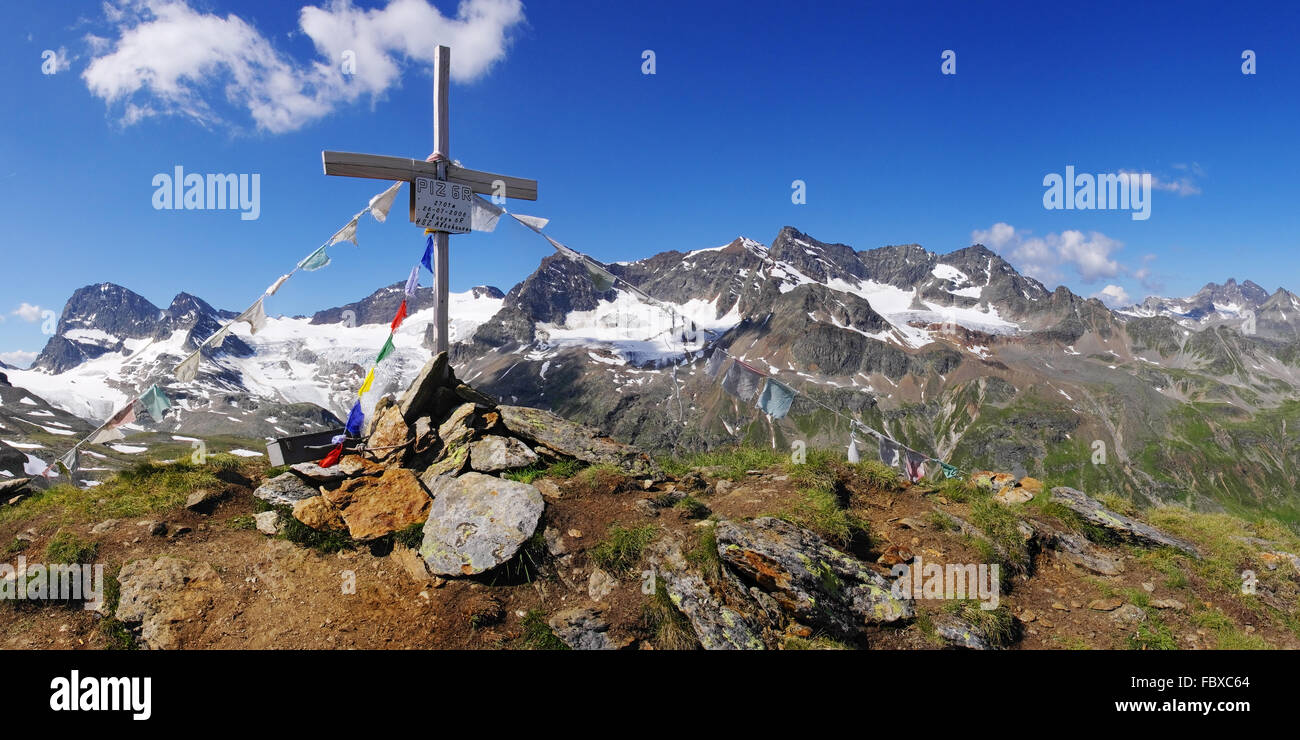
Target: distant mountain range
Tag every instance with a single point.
(958, 354)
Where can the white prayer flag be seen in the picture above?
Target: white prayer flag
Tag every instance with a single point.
(485, 214)
(104, 436)
(189, 368)
(219, 338)
(276, 285)
(380, 204)
(533, 222)
(254, 316)
(346, 234)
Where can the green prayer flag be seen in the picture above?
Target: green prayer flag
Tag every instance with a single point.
(155, 402)
(315, 260)
(949, 471)
(387, 350)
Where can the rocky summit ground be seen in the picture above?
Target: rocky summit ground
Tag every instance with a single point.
(469, 524)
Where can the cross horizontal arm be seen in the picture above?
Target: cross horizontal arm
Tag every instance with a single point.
(380, 167)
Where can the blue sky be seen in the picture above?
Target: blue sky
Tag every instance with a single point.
(746, 98)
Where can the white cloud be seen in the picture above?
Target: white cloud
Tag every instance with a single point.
(1182, 185)
(18, 358)
(1113, 295)
(1047, 257)
(167, 58)
(27, 312)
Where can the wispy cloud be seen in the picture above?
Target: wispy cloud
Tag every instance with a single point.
(18, 358)
(27, 312)
(1048, 257)
(163, 57)
(1183, 184)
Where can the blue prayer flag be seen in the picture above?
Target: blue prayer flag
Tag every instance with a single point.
(355, 417)
(427, 259)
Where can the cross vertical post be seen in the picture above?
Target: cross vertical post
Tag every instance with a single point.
(441, 154)
(422, 173)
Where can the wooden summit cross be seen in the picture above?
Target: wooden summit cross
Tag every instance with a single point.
(444, 190)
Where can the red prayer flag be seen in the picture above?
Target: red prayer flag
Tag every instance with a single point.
(331, 459)
(401, 314)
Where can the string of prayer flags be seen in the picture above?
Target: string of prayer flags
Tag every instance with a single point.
(741, 381)
(355, 418)
(155, 402)
(189, 368)
(401, 316)
(381, 203)
(316, 260)
(413, 282)
(254, 316)
(776, 398)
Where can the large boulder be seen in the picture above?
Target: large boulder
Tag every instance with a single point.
(391, 436)
(285, 489)
(318, 513)
(1133, 531)
(420, 398)
(812, 581)
(574, 440)
(716, 626)
(164, 594)
(374, 507)
(493, 454)
(478, 522)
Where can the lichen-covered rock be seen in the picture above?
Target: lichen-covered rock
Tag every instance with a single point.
(960, 633)
(716, 626)
(478, 522)
(582, 628)
(318, 513)
(574, 440)
(1132, 530)
(494, 454)
(812, 581)
(285, 489)
(163, 594)
(374, 507)
(1077, 549)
